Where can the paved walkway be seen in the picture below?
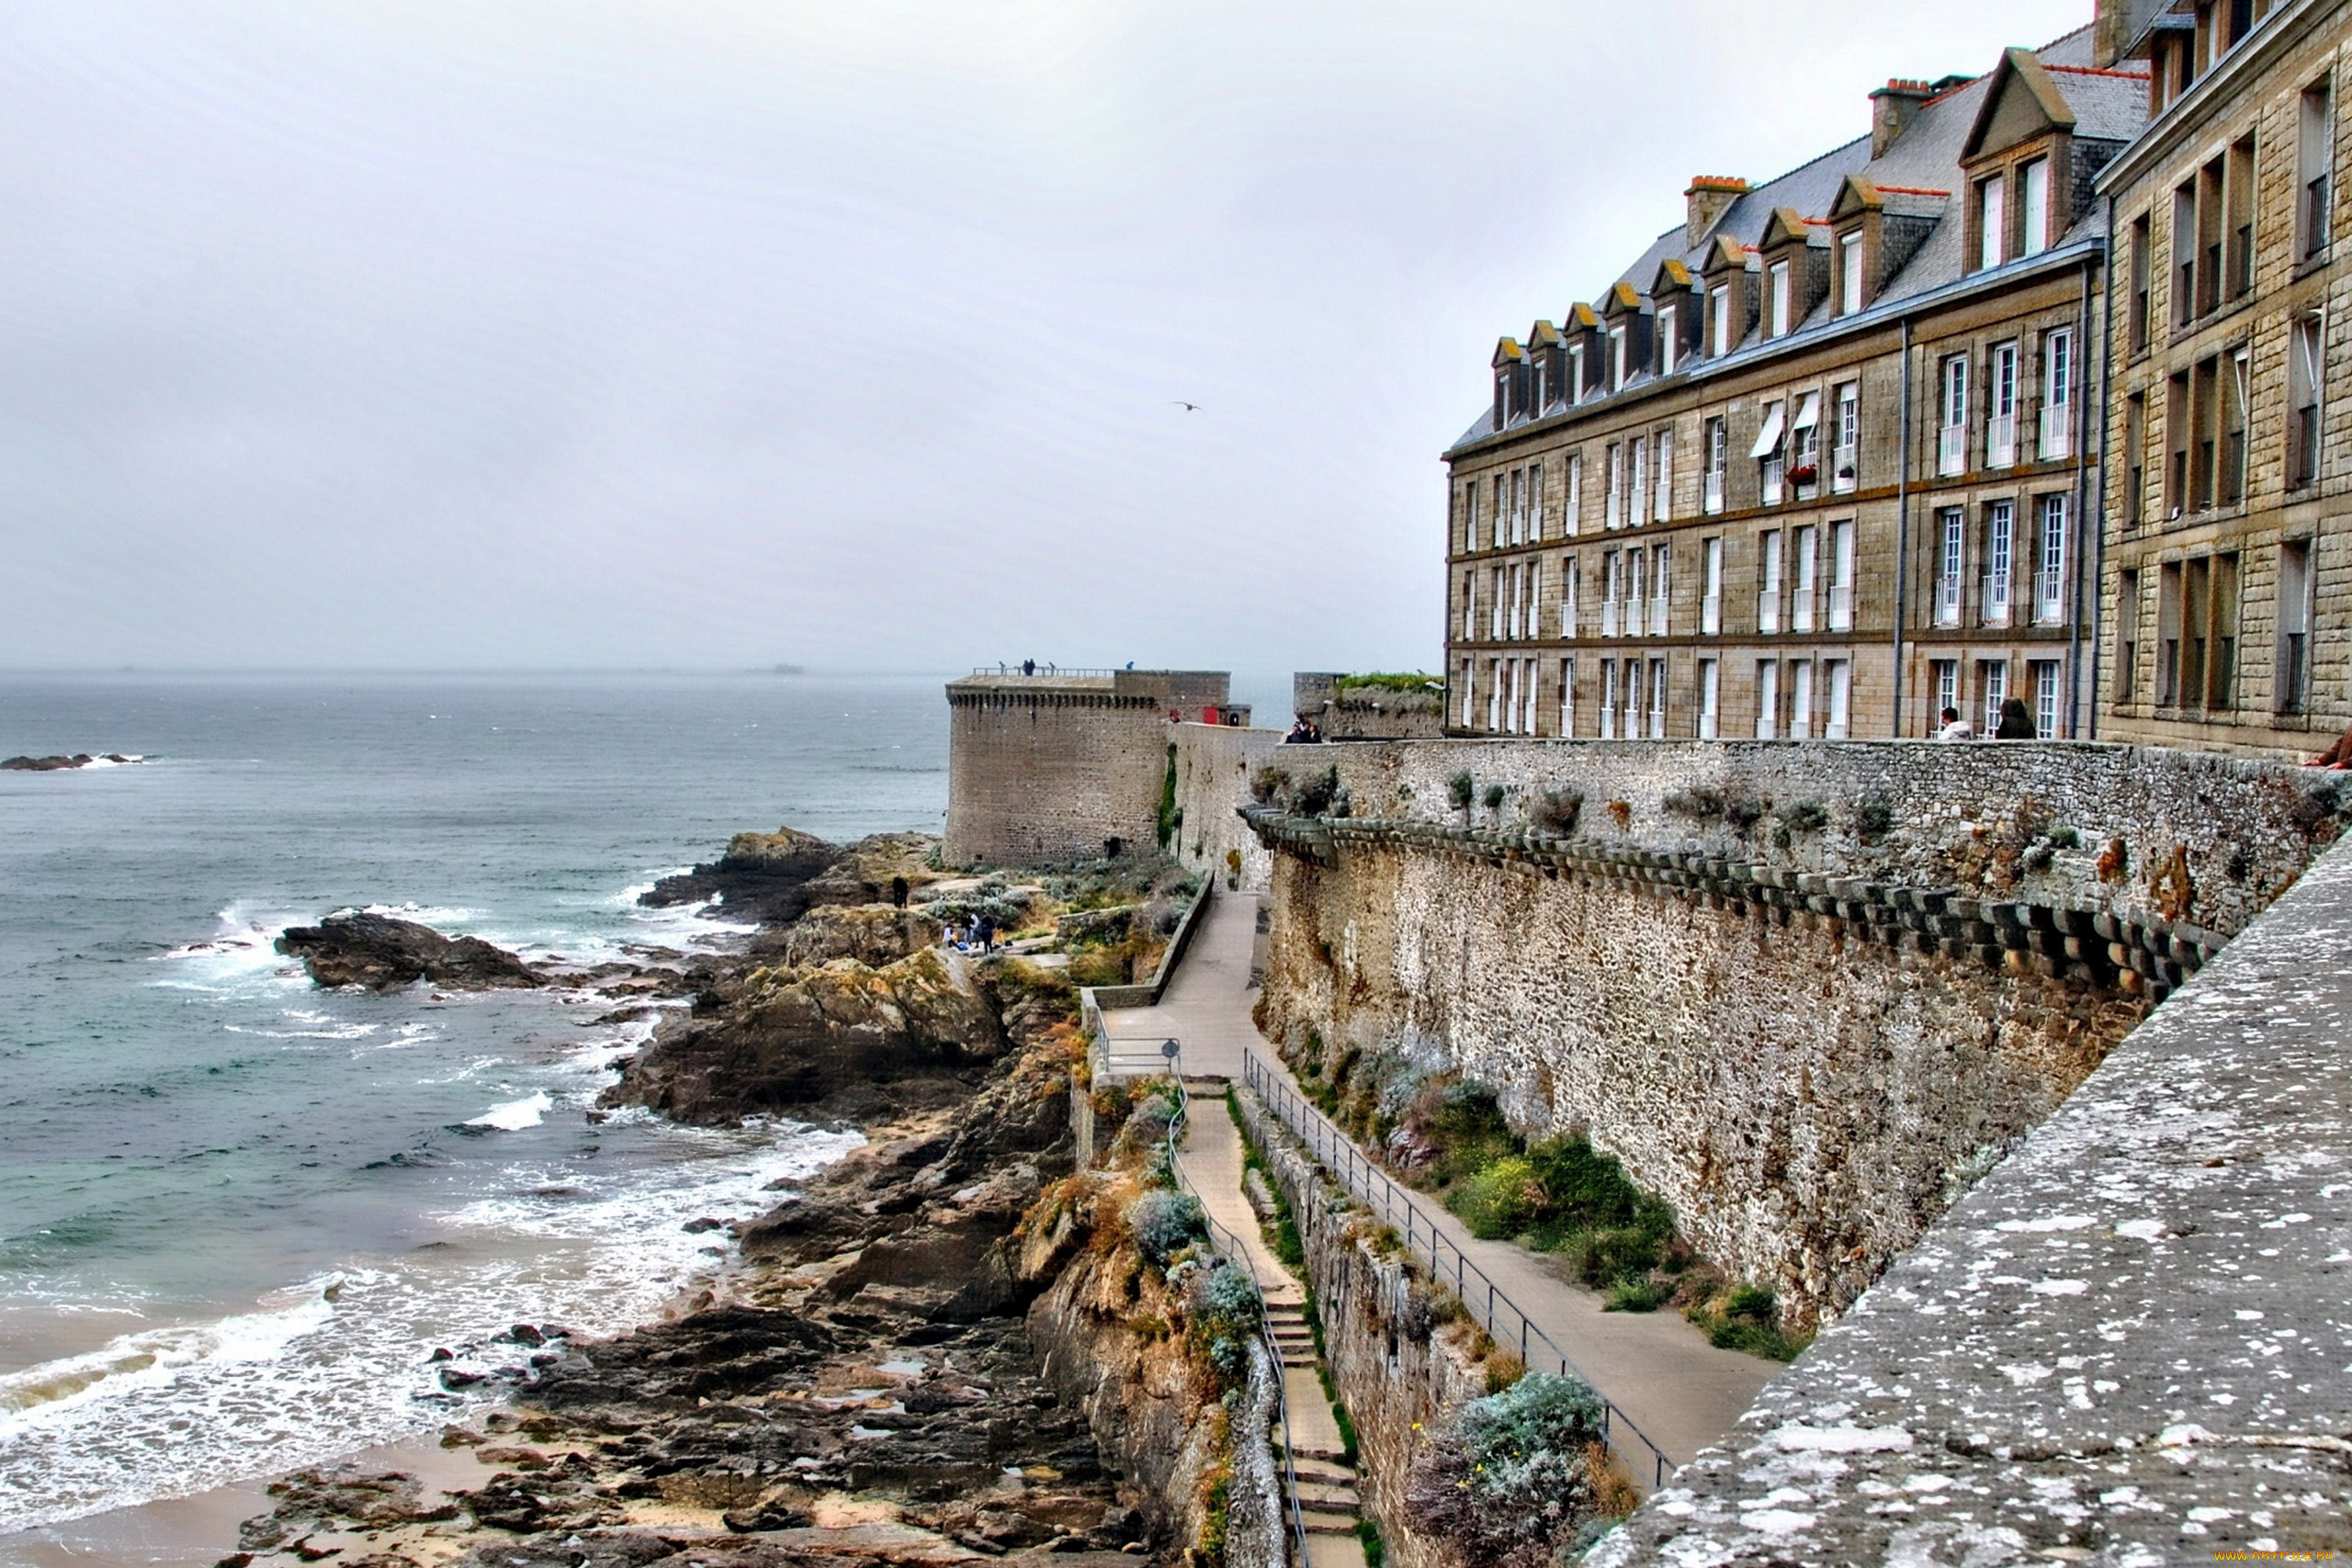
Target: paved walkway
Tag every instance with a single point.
(1681, 1391)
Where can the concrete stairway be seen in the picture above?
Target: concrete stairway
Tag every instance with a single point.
(1327, 1482)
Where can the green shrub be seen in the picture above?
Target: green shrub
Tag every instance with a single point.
(1514, 1474)
(1164, 1223)
(1494, 797)
(1805, 817)
(1874, 816)
(1557, 811)
(1500, 1201)
(1637, 1295)
(1459, 790)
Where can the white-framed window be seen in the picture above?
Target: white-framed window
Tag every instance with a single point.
(2314, 165)
(1497, 590)
(1767, 452)
(1845, 462)
(1575, 392)
(1619, 372)
(1637, 558)
(2057, 394)
(1719, 318)
(1535, 501)
(1780, 302)
(1994, 675)
(1638, 458)
(1993, 221)
(1660, 577)
(1767, 699)
(1850, 272)
(1718, 463)
(1571, 591)
(1567, 696)
(1804, 440)
(1711, 588)
(1608, 699)
(1950, 564)
(1710, 698)
(1613, 569)
(1469, 694)
(2000, 561)
(1669, 338)
(2001, 415)
(2304, 363)
(1807, 542)
(2045, 699)
(1800, 699)
(1542, 383)
(1469, 516)
(1536, 597)
(2290, 685)
(1498, 495)
(1952, 434)
(1662, 506)
(2049, 573)
(1658, 699)
(2033, 189)
(1494, 695)
(1768, 582)
(1947, 675)
(1572, 504)
(1838, 676)
(1612, 501)
(1469, 608)
(1841, 576)
(1515, 514)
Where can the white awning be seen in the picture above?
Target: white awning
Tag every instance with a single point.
(1808, 412)
(1768, 440)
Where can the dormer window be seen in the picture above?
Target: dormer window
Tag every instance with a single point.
(1619, 370)
(1850, 272)
(1575, 389)
(1543, 386)
(1991, 221)
(1669, 338)
(1780, 323)
(1502, 399)
(1719, 319)
(2033, 184)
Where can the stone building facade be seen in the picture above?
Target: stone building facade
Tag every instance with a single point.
(2228, 580)
(1054, 765)
(1816, 463)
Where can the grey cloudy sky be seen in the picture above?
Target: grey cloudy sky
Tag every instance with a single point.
(716, 332)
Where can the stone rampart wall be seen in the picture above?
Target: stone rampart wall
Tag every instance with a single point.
(2124, 1346)
(2205, 841)
(1808, 1041)
(1213, 768)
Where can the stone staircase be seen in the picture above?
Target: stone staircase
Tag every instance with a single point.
(1327, 1481)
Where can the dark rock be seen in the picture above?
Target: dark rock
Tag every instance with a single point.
(761, 874)
(353, 948)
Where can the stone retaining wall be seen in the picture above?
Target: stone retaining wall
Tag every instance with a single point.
(2125, 1346)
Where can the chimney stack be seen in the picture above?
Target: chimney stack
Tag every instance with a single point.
(1891, 107)
(1710, 196)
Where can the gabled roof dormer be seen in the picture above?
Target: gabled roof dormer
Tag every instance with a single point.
(1678, 309)
(1547, 358)
(2019, 161)
(1584, 343)
(1795, 254)
(1510, 383)
(1727, 278)
(1625, 320)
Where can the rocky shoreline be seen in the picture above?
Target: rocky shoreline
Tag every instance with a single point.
(869, 1381)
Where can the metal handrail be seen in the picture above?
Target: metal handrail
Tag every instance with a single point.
(1238, 1255)
(1042, 673)
(1357, 1172)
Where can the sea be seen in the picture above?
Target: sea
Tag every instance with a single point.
(239, 1214)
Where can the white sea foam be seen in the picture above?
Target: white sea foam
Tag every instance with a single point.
(515, 1114)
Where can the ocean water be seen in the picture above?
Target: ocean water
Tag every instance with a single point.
(237, 1213)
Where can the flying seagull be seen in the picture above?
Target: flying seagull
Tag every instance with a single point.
(1188, 408)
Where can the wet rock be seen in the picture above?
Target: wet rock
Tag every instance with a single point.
(761, 874)
(355, 948)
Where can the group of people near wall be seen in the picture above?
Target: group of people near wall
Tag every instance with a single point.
(2015, 724)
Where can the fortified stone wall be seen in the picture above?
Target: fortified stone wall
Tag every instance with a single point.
(1213, 767)
(2125, 1346)
(2205, 841)
(1808, 1041)
(1054, 766)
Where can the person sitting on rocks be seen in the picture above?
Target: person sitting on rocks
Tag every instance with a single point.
(1955, 727)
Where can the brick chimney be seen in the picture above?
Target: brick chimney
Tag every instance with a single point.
(1891, 107)
(1710, 196)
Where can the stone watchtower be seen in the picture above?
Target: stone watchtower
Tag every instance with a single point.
(1066, 764)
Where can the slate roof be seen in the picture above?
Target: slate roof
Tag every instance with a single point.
(1921, 163)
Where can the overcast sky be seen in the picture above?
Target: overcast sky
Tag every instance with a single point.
(719, 332)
